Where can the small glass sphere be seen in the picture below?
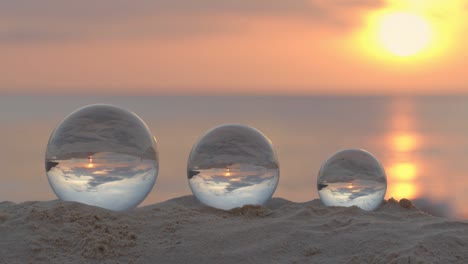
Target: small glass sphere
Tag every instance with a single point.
(104, 156)
(352, 177)
(232, 166)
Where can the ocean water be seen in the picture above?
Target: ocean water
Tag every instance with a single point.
(421, 141)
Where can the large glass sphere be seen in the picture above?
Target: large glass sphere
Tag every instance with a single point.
(232, 166)
(352, 177)
(102, 155)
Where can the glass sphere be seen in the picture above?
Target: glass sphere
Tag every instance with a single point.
(352, 177)
(102, 155)
(232, 166)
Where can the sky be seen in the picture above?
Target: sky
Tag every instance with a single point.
(255, 47)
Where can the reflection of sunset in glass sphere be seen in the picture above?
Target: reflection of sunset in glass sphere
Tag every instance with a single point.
(102, 155)
(352, 177)
(232, 166)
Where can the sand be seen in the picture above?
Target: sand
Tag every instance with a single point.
(184, 231)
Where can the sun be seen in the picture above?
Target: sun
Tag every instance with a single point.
(404, 34)
(414, 34)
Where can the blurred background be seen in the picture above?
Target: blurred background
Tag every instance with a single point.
(315, 76)
(421, 141)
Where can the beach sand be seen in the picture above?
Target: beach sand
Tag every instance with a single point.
(182, 230)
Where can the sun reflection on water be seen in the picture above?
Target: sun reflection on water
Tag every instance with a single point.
(90, 164)
(404, 142)
(403, 170)
(401, 190)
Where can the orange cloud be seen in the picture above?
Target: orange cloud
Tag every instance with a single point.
(29, 22)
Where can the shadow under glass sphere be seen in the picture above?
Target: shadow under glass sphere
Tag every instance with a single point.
(102, 155)
(352, 177)
(231, 166)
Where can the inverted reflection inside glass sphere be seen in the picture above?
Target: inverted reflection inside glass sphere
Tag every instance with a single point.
(352, 177)
(102, 155)
(232, 166)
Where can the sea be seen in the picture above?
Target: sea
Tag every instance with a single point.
(421, 141)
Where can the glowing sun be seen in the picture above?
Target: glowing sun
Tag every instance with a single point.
(404, 34)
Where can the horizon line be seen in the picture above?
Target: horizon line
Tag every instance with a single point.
(185, 93)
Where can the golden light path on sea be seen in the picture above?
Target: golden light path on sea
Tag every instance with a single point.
(403, 169)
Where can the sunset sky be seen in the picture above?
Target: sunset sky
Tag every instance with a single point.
(283, 47)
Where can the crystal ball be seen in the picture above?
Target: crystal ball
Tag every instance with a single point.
(352, 177)
(231, 166)
(102, 155)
